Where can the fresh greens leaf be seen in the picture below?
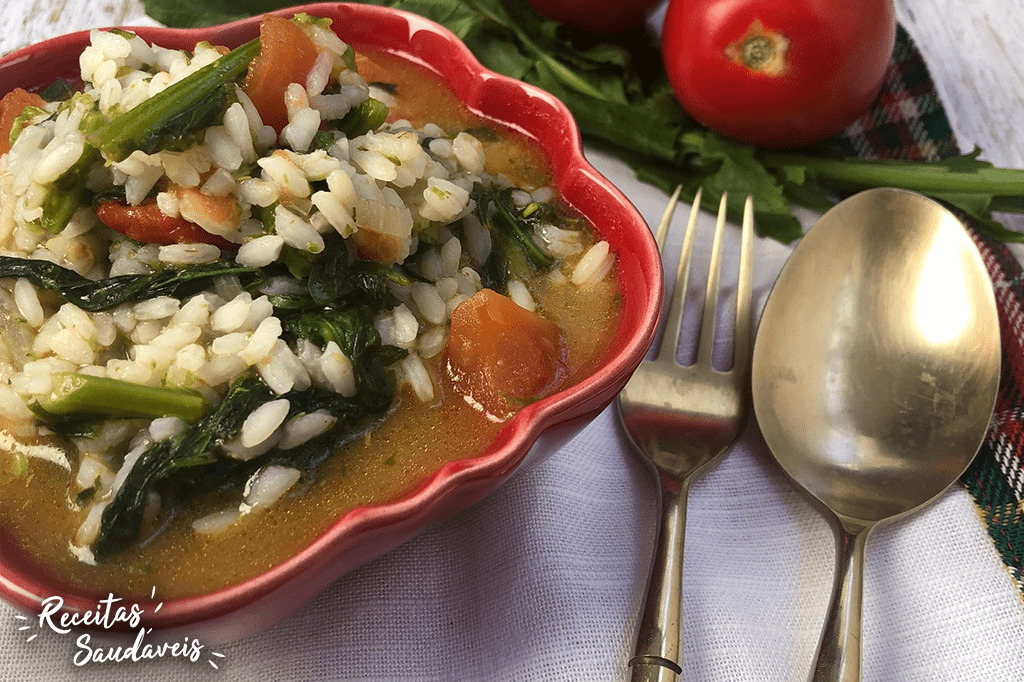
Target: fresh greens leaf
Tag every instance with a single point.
(57, 91)
(333, 281)
(965, 182)
(94, 296)
(323, 139)
(737, 171)
(67, 193)
(497, 211)
(650, 128)
(980, 209)
(298, 261)
(353, 331)
(327, 276)
(198, 13)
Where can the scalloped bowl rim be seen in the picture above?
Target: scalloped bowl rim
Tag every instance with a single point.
(513, 442)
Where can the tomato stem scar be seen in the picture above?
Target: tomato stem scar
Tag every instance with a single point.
(760, 49)
(757, 51)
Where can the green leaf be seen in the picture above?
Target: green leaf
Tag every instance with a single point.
(198, 13)
(650, 129)
(369, 115)
(980, 209)
(121, 520)
(740, 173)
(94, 296)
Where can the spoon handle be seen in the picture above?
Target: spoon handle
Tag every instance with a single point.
(659, 641)
(838, 657)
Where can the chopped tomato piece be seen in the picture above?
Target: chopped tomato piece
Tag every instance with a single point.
(501, 356)
(286, 56)
(11, 107)
(216, 214)
(146, 223)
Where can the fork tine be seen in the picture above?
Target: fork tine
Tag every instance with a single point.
(744, 294)
(706, 345)
(674, 320)
(666, 219)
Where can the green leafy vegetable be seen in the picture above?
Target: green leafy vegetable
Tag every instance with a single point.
(334, 281)
(514, 249)
(620, 98)
(176, 112)
(60, 89)
(369, 115)
(330, 279)
(74, 393)
(26, 115)
(108, 293)
(67, 193)
(352, 329)
(207, 12)
(121, 520)
(192, 461)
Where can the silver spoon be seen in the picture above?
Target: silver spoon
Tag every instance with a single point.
(874, 375)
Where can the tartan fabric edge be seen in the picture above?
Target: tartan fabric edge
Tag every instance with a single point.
(908, 121)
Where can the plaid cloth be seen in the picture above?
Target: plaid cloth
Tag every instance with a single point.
(908, 122)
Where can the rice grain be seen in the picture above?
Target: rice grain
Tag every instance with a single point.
(261, 251)
(263, 422)
(189, 254)
(27, 300)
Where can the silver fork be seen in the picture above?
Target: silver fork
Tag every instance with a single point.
(681, 418)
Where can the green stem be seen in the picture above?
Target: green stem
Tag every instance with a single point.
(84, 394)
(911, 175)
(67, 194)
(174, 109)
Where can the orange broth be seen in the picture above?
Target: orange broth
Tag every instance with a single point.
(412, 443)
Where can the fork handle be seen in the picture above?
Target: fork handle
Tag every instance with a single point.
(659, 641)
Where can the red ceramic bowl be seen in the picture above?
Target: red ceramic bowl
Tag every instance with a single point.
(539, 429)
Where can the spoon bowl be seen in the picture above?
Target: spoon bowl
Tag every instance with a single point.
(875, 372)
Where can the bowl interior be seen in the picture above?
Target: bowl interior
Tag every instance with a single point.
(367, 532)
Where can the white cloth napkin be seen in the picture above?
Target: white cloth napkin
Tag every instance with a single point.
(542, 581)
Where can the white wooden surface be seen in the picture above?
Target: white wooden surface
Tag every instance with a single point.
(969, 47)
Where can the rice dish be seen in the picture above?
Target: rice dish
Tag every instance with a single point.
(305, 273)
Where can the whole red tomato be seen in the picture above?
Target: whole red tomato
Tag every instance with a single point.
(777, 73)
(600, 17)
